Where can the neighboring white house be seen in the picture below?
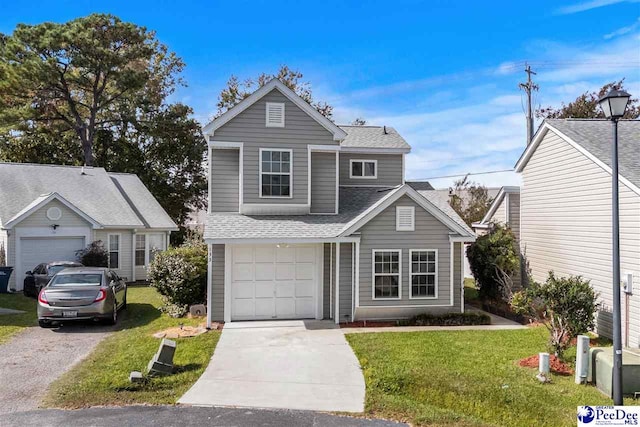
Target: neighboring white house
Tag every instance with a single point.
(48, 212)
(565, 210)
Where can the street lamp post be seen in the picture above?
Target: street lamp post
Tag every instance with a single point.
(613, 105)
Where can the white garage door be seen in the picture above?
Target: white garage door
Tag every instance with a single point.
(34, 251)
(274, 281)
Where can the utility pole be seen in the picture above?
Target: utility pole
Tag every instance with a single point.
(529, 87)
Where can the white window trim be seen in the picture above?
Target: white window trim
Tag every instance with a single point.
(413, 218)
(266, 115)
(146, 250)
(411, 274)
(363, 161)
(109, 249)
(290, 151)
(374, 274)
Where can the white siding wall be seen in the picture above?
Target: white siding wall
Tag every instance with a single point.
(500, 215)
(566, 224)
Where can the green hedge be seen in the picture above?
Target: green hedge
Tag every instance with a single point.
(448, 319)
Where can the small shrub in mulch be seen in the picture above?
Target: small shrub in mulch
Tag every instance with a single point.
(556, 365)
(448, 319)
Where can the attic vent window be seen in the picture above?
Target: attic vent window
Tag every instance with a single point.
(405, 218)
(275, 115)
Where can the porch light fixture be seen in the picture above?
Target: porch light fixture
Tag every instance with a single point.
(614, 105)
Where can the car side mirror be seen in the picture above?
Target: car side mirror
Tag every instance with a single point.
(29, 273)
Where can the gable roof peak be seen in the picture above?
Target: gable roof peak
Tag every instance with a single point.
(274, 84)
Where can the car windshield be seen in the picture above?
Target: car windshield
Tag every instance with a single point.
(77, 280)
(54, 269)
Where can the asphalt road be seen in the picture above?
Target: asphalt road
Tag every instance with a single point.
(136, 416)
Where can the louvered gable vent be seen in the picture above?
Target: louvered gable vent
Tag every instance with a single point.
(275, 114)
(405, 218)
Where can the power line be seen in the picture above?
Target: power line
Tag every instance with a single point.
(463, 174)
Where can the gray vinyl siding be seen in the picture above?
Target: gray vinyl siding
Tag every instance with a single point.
(224, 176)
(299, 131)
(323, 182)
(514, 214)
(39, 217)
(346, 282)
(389, 169)
(217, 283)
(327, 281)
(500, 215)
(566, 225)
(430, 233)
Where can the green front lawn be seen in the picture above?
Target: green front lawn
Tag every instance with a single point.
(10, 324)
(468, 378)
(103, 377)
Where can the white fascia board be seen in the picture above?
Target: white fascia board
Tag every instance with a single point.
(524, 159)
(210, 128)
(225, 144)
(461, 239)
(43, 200)
(494, 206)
(327, 148)
(285, 240)
(367, 150)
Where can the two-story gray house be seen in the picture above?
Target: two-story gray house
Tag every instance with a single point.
(311, 220)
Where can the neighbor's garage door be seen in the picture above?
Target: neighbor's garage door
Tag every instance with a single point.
(34, 251)
(274, 281)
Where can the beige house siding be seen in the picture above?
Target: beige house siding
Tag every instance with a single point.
(514, 213)
(500, 215)
(126, 258)
(566, 225)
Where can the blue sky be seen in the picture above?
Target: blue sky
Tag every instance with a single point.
(443, 73)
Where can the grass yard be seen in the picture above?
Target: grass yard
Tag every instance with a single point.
(103, 378)
(465, 378)
(11, 324)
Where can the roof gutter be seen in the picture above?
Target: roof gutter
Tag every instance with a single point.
(283, 240)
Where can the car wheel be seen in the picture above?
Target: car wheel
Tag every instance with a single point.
(114, 316)
(45, 324)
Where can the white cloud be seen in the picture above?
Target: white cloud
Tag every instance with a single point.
(586, 5)
(623, 30)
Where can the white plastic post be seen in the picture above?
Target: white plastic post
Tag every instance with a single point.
(582, 359)
(543, 364)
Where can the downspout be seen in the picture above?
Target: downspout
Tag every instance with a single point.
(133, 256)
(330, 280)
(337, 313)
(209, 284)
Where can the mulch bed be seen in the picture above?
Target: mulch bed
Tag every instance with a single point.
(556, 365)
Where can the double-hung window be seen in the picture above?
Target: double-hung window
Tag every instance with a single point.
(387, 280)
(366, 169)
(141, 243)
(423, 273)
(275, 173)
(114, 250)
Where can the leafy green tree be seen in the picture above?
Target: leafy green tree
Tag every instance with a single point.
(490, 257)
(565, 305)
(93, 91)
(470, 200)
(586, 106)
(359, 121)
(237, 90)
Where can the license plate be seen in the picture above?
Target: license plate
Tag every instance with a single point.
(69, 314)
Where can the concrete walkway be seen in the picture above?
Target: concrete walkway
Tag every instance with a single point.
(35, 357)
(304, 365)
(10, 311)
(497, 323)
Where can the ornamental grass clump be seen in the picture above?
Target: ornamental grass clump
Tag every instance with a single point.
(180, 276)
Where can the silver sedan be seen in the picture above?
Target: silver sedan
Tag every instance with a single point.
(86, 293)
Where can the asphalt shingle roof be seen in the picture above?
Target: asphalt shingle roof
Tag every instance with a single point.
(353, 202)
(372, 137)
(93, 192)
(595, 136)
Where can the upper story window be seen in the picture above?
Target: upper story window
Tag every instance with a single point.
(274, 114)
(275, 173)
(363, 169)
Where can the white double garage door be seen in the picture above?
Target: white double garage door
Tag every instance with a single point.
(276, 281)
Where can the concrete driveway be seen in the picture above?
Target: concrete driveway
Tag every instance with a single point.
(305, 365)
(35, 357)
